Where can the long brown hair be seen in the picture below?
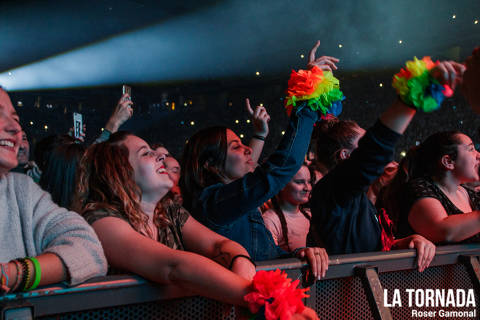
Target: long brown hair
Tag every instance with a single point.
(106, 182)
(203, 162)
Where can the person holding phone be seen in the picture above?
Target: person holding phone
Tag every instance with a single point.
(122, 112)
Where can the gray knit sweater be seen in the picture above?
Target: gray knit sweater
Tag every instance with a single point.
(31, 224)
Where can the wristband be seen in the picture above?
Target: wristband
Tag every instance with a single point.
(4, 278)
(296, 251)
(276, 294)
(241, 256)
(258, 137)
(38, 273)
(26, 274)
(18, 279)
(417, 88)
(317, 89)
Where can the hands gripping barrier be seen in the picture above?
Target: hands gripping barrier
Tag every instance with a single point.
(353, 288)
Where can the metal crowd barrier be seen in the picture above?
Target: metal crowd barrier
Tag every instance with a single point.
(352, 289)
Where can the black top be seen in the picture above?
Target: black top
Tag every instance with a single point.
(425, 188)
(343, 218)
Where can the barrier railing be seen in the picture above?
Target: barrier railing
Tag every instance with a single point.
(378, 285)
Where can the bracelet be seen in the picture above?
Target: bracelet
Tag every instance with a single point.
(18, 267)
(317, 89)
(417, 88)
(26, 274)
(241, 256)
(258, 137)
(4, 278)
(296, 251)
(276, 294)
(37, 271)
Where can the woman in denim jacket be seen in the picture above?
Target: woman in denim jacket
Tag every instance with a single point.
(223, 189)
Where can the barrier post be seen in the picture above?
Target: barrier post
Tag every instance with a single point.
(374, 290)
(473, 267)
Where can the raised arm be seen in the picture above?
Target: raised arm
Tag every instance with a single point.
(260, 119)
(269, 178)
(375, 149)
(122, 112)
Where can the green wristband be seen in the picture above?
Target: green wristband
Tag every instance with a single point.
(38, 273)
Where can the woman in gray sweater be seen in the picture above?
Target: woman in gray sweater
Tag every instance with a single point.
(40, 242)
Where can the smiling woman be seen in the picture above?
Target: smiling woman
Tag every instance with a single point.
(222, 185)
(58, 243)
(10, 134)
(123, 187)
(436, 203)
(287, 220)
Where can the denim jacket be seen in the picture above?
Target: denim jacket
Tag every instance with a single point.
(232, 209)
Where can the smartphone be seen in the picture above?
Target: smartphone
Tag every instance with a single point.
(77, 125)
(126, 89)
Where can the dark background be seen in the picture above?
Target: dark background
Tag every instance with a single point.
(60, 57)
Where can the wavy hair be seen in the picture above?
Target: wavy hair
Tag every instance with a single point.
(106, 182)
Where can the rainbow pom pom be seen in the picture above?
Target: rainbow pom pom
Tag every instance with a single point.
(318, 90)
(416, 87)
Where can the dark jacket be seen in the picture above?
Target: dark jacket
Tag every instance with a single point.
(343, 218)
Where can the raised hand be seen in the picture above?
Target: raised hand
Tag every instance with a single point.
(123, 111)
(82, 133)
(449, 72)
(325, 63)
(260, 119)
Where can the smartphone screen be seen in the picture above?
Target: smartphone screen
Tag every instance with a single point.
(126, 89)
(77, 125)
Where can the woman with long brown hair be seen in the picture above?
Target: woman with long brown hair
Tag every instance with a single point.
(122, 189)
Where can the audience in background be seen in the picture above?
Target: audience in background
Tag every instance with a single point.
(131, 196)
(24, 164)
(59, 157)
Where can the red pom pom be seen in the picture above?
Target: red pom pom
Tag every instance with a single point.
(277, 293)
(303, 82)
